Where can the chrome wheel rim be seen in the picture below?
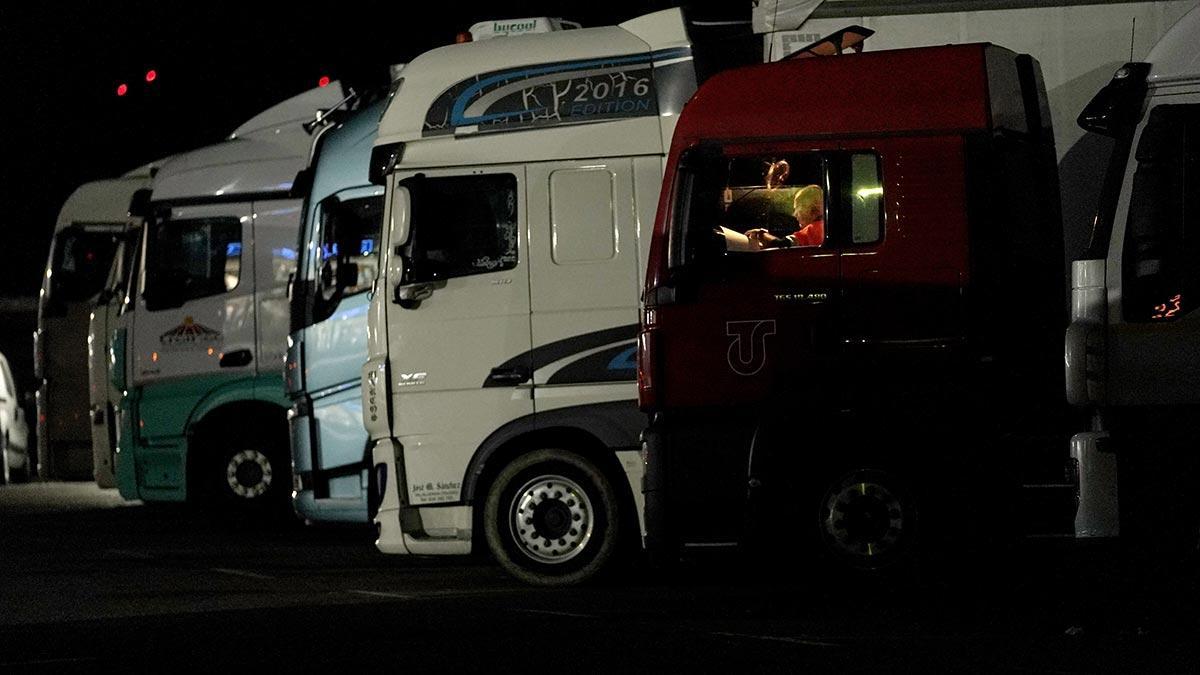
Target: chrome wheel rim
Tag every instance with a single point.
(864, 519)
(551, 519)
(248, 474)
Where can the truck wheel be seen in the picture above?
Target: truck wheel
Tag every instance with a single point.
(551, 518)
(250, 477)
(866, 519)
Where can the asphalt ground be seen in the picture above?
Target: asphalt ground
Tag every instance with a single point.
(89, 583)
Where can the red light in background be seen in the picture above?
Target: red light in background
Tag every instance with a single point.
(151, 75)
(122, 89)
(324, 81)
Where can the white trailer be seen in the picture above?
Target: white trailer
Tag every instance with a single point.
(1078, 44)
(1133, 346)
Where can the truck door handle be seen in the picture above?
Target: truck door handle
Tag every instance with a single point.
(506, 377)
(236, 358)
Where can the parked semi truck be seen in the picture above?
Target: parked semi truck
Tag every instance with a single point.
(103, 397)
(199, 350)
(86, 234)
(521, 175)
(1133, 346)
(339, 253)
(853, 310)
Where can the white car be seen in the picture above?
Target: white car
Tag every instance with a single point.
(14, 432)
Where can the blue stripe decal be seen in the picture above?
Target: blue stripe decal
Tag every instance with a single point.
(626, 360)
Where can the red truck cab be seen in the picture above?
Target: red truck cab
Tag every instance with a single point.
(854, 306)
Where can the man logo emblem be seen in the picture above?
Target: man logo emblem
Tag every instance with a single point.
(748, 351)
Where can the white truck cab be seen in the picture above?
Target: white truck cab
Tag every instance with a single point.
(1133, 346)
(88, 231)
(199, 351)
(522, 179)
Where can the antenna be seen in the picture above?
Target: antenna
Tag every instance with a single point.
(771, 35)
(1132, 34)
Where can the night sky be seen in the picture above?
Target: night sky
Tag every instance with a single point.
(217, 65)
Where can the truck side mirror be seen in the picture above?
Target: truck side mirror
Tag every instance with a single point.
(401, 216)
(139, 203)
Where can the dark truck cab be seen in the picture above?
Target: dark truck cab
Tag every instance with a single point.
(894, 368)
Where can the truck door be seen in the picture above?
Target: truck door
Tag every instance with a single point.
(751, 322)
(347, 241)
(459, 359)
(276, 225)
(195, 314)
(583, 259)
(901, 301)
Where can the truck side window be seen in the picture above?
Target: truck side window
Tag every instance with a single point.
(350, 234)
(81, 263)
(463, 225)
(191, 259)
(767, 202)
(866, 199)
(1162, 241)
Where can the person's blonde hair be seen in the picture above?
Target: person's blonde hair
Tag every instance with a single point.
(809, 203)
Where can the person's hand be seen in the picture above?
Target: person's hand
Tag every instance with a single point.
(759, 238)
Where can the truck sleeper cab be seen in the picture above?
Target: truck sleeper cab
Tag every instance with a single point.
(339, 252)
(852, 306)
(1131, 350)
(91, 223)
(200, 348)
(521, 174)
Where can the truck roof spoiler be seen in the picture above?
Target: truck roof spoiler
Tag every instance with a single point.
(486, 30)
(835, 44)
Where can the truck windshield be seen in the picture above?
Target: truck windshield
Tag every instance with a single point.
(82, 259)
(350, 235)
(191, 259)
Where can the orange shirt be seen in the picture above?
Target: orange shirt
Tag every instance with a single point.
(812, 234)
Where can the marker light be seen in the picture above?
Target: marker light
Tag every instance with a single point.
(151, 75)
(324, 81)
(122, 89)
(462, 37)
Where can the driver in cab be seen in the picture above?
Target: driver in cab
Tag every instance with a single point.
(808, 206)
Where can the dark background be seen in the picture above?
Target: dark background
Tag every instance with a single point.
(218, 64)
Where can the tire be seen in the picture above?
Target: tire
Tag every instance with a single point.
(22, 475)
(250, 476)
(563, 494)
(865, 518)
